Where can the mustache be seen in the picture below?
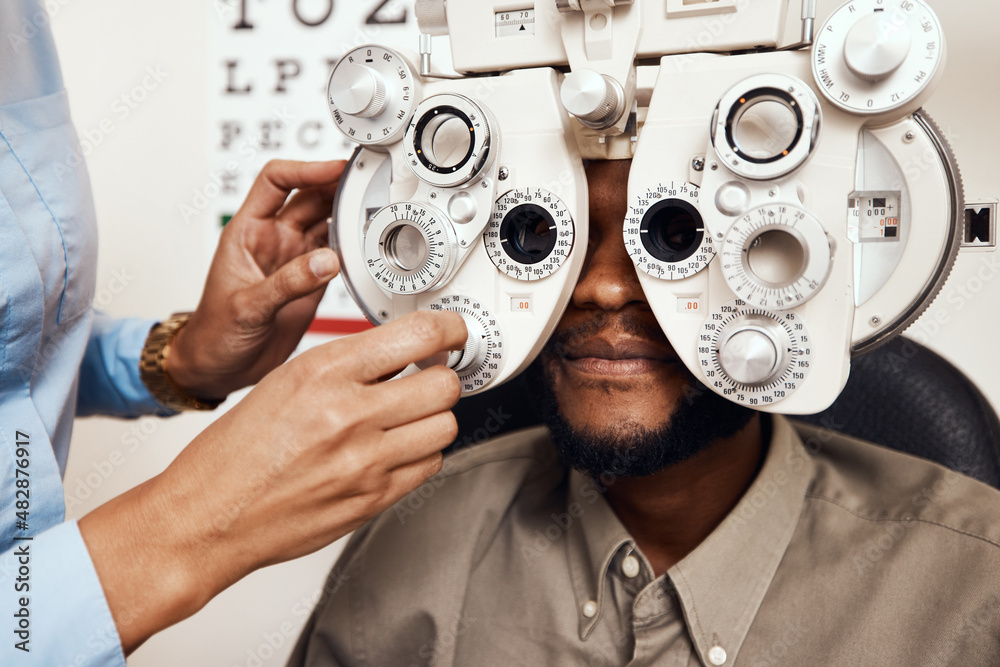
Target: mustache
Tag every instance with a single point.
(569, 340)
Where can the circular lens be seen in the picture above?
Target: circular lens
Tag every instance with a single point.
(444, 139)
(406, 248)
(765, 125)
(528, 234)
(672, 230)
(777, 258)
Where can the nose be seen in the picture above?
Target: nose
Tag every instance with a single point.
(609, 281)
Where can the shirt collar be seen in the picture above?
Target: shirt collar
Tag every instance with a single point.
(720, 584)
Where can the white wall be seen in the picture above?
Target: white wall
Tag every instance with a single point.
(155, 157)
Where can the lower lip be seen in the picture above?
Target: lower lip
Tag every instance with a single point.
(615, 367)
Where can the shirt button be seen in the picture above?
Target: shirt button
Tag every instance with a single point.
(630, 566)
(717, 656)
(590, 609)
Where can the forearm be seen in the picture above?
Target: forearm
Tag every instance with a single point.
(147, 558)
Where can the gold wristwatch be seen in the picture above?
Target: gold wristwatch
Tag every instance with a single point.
(152, 368)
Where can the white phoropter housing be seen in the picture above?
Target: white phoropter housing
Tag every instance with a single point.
(772, 220)
(449, 215)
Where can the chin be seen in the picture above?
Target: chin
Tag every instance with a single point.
(633, 429)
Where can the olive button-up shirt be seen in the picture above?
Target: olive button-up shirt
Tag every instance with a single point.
(840, 553)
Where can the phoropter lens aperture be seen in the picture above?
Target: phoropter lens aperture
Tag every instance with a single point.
(528, 234)
(672, 230)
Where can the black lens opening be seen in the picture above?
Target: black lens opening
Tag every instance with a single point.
(528, 234)
(672, 230)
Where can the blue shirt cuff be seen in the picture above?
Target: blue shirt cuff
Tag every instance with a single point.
(53, 598)
(109, 375)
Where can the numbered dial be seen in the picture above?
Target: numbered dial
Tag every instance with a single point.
(766, 126)
(530, 235)
(450, 140)
(664, 232)
(478, 364)
(409, 247)
(874, 56)
(776, 257)
(372, 94)
(752, 356)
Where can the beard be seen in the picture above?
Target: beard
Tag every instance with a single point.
(630, 449)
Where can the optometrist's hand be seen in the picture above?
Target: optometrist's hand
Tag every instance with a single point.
(317, 448)
(267, 278)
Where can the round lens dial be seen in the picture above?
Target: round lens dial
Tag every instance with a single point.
(664, 232)
(372, 94)
(753, 356)
(478, 364)
(530, 235)
(776, 257)
(766, 126)
(409, 247)
(450, 141)
(875, 56)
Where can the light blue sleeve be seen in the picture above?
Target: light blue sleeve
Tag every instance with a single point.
(109, 376)
(67, 620)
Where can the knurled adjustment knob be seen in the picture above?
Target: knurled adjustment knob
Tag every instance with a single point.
(878, 45)
(432, 17)
(595, 99)
(474, 353)
(358, 91)
(751, 356)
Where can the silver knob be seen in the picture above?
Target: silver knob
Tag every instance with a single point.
(878, 45)
(595, 99)
(358, 91)
(751, 355)
(474, 353)
(432, 17)
(565, 6)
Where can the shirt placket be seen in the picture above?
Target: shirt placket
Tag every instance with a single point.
(658, 627)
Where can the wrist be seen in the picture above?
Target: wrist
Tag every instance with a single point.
(161, 377)
(181, 365)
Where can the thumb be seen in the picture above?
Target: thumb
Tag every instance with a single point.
(298, 278)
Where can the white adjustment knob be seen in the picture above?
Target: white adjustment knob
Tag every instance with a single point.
(431, 16)
(565, 6)
(358, 91)
(878, 45)
(474, 352)
(595, 99)
(750, 356)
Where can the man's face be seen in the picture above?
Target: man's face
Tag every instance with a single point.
(613, 364)
(616, 397)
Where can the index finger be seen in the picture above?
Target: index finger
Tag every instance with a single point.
(279, 178)
(392, 347)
